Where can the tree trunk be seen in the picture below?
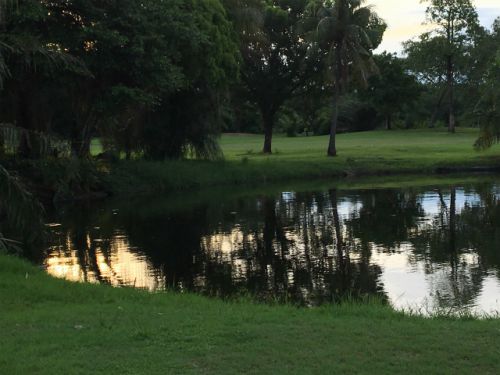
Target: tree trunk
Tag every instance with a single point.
(82, 137)
(388, 122)
(332, 146)
(24, 150)
(450, 79)
(85, 147)
(75, 147)
(432, 123)
(80, 147)
(268, 118)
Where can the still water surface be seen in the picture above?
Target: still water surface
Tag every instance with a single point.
(432, 248)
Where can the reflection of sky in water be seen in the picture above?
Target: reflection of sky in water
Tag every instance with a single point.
(349, 208)
(121, 268)
(412, 287)
(431, 202)
(409, 280)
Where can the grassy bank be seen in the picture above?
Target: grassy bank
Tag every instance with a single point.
(303, 158)
(50, 326)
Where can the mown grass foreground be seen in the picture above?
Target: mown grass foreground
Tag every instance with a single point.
(304, 158)
(50, 326)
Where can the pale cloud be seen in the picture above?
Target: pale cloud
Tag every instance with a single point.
(406, 17)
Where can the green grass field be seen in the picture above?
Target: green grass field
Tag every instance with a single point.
(403, 148)
(304, 158)
(50, 326)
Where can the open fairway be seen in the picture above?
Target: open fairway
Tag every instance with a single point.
(304, 158)
(398, 148)
(50, 326)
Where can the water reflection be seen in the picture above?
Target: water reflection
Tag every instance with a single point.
(435, 247)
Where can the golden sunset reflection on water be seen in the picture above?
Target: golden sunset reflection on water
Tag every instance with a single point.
(118, 266)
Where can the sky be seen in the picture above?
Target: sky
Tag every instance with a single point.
(405, 19)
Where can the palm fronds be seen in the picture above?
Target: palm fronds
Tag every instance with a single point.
(44, 144)
(19, 210)
(30, 54)
(9, 246)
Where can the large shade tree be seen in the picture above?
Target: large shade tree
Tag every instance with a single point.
(160, 71)
(277, 62)
(348, 32)
(157, 73)
(391, 91)
(456, 25)
(424, 61)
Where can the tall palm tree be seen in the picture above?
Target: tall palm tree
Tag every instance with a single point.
(348, 32)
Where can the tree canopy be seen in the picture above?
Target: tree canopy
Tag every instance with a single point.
(126, 64)
(348, 32)
(161, 79)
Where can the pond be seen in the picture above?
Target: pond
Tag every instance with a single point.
(430, 248)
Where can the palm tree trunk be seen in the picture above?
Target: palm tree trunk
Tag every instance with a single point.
(332, 146)
(451, 111)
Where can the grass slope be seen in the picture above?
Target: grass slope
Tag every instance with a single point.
(50, 326)
(368, 153)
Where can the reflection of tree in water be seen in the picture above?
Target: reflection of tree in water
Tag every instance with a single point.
(457, 248)
(386, 218)
(302, 248)
(77, 238)
(461, 284)
(450, 254)
(295, 251)
(480, 224)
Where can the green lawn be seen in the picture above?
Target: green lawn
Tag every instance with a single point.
(403, 148)
(304, 158)
(50, 326)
